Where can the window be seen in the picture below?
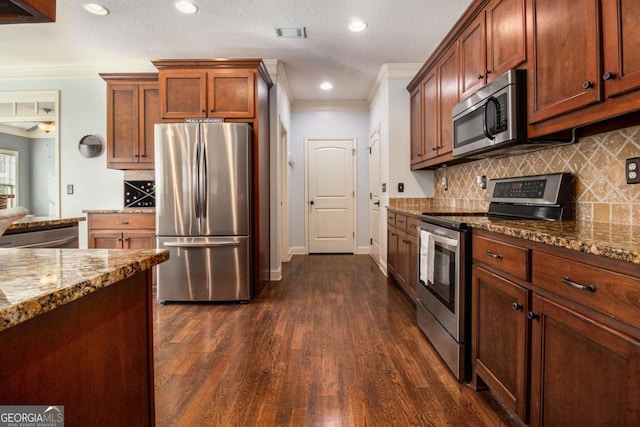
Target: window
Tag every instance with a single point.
(9, 174)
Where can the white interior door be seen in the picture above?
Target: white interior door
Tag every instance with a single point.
(331, 195)
(374, 195)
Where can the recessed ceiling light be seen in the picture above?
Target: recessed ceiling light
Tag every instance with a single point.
(357, 25)
(326, 86)
(96, 9)
(186, 7)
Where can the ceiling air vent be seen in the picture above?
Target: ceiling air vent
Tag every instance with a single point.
(291, 32)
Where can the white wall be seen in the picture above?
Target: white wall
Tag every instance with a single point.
(389, 109)
(83, 111)
(327, 124)
(280, 114)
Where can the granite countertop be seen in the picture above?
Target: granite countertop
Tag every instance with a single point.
(435, 211)
(617, 241)
(35, 281)
(31, 221)
(120, 211)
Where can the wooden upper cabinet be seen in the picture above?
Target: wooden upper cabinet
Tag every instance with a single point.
(183, 94)
(417, 140)
(133, 108)
(27, 11)
(231, 93)
(621, 38)
(565, 69)
(189, 93)
(473, 54)
(492, 44)
(506, 36)
(449, 96)
(429, 119)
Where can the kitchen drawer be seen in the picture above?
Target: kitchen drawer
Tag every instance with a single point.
(391, 218)
(401, 221)
(511, 259)
(412, 225)
(613, 294)
(121, 221)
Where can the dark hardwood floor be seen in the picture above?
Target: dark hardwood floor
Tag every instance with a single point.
(334, 343)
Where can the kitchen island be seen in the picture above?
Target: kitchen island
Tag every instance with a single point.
(76, 331)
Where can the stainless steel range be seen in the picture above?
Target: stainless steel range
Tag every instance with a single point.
(444, 290)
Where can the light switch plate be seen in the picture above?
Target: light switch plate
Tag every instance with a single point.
(70, 189)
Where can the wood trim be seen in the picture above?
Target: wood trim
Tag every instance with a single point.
(126, 77)
(213, 63)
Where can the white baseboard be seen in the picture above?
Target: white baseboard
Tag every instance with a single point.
(276, 275)
(362, 250)
(297, 250)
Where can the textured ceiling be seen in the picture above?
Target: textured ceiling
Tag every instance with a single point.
(400, 31)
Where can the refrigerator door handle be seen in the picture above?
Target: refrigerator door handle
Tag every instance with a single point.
(195, 178)
(202, 167)
(199, 245)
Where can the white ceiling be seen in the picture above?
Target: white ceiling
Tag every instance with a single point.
(400, 31)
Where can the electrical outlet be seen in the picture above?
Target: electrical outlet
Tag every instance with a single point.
(70, 189)
(632, 170)
(400, 187)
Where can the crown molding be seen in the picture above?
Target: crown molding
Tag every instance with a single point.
(329, 105)
(400, 71)
(278, 75)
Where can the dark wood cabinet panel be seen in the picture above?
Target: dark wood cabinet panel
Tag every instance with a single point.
(621, 39)
(392, 250)
(430, 127)
(413, 251)
(565, 69)
(231, 94)
(183, 94)
(449, 95)
(500, 337)
(416, 136)
(473, 54)
(149, 116)
(506, 36)
(583, 373)
(27, 11)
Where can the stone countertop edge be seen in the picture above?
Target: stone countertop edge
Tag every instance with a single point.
(616, 241)
(43, 221)
(40, 280)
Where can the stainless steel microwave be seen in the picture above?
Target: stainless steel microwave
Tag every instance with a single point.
(493, 118)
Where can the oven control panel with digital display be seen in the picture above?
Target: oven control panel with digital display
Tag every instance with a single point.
(529, 189)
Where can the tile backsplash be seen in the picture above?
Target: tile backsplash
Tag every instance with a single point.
(597, 162)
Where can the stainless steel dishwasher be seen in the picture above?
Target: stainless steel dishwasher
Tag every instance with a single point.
(66, 237)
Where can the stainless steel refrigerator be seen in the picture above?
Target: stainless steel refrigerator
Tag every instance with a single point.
(203, 202)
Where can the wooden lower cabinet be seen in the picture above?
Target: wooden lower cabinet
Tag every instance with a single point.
(402, 253)
(561, 348)
(121, 231)
(583, 372)
(499, 349)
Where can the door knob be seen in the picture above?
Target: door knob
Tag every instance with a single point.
(311, 202)
(377, 203)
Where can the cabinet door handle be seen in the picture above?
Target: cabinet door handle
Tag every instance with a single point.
(516, 306)
(122, 222)
(204, 111)
(532, 316)
(587, 85)
(480, 76)
(567, 281)
(492, 255)
(608, 76)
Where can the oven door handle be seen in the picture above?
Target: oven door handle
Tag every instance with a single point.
(445, 240)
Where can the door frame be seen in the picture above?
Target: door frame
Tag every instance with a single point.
(283, 208)
(380, 209)
(354, 167)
